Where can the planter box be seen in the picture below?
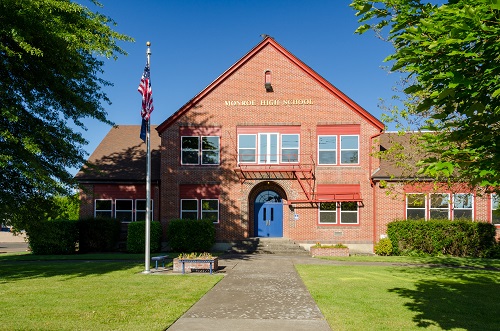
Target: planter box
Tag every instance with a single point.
(329, 251)
(191, 265)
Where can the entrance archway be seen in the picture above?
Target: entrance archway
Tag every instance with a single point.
(268, 214)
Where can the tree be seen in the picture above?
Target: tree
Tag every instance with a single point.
(50, 80)
(450, 54)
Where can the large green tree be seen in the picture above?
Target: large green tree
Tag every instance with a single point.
(51, 78)
(450, 55)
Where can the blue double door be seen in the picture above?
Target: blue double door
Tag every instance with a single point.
(268, 219)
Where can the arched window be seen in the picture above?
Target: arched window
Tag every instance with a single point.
(268, 196)
(267, 81)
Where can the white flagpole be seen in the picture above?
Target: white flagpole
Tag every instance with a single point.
(148, 184)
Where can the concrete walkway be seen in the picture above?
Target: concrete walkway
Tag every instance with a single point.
(259, 292)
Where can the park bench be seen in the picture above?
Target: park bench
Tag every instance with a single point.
(183, 261)
(161, 258)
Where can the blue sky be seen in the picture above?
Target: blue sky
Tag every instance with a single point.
(195, 41)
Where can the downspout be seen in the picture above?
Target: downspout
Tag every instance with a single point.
(374, 191)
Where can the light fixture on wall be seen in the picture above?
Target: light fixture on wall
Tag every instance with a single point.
(267, 81)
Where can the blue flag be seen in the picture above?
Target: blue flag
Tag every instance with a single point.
(143, 130)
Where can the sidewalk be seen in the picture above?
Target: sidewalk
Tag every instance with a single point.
(10, 243)
(259, 292)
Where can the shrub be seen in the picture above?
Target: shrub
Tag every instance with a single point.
(136, 237)
(53, 237)
(98, 234)
(442, 237)
(384, 247)
(191, 235)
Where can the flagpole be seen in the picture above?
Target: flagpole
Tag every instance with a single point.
(147, 258)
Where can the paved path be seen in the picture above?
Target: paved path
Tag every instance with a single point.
(259, 292)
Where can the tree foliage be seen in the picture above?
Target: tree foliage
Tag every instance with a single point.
(50, 80)
(450, 55)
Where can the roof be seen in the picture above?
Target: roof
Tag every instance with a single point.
(400, 154)
(270, 42)
(121, 157)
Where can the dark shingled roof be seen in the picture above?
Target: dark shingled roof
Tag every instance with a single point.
(121, 157)
(401, 163)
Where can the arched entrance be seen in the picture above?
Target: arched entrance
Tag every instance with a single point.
(268, 214)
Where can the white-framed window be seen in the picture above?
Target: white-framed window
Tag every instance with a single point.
(462, 206)
(345, 212)
(124, 210)
(495, 209)
(268, 148)
(327, 149)
(440, 206)
(247, 148)
(415, 206)
(349, 149)
(203, 150)
(189, 209)
(290, 148)
(328, 213)
(210, 209)
(349, 212)
(140, 210)
(103, 208)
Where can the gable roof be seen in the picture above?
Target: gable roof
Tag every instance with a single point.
(121, 157)
(270, 42)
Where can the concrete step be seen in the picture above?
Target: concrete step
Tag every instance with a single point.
(278, 246)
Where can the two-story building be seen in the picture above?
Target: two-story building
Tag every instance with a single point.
(268, 149)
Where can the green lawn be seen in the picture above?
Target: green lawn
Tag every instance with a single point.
(97, 292)
(381, 297)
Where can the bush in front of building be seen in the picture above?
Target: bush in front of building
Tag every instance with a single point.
(98, 234)
(384, 247)
(136, 237)
(184, 235)
(53, 237)
(442, 237)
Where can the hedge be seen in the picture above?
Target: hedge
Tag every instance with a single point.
(184, 235)
(98, 234)
(136, 237)
(53, 237)
(442, 237)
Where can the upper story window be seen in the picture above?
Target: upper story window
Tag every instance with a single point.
(203, 150)
(338, 144)
(268, 148)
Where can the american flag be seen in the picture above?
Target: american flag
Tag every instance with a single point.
(147, 94)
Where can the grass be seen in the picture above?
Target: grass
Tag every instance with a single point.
(382, 297)
(92, 292)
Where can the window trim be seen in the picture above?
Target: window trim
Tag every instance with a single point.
(289, 148)
(410, 208)
(338, 211)
(143, 210)
(471, 208)
(200, 150)
(217, 211)
(255, 149)
(494, 197)
(447, 208)
(188, 210)
(103, 210)
(326, 212)
(348, 149)
(128, 211)
(335, 150)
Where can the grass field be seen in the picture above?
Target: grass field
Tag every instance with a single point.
(97, 292)
(380, 297)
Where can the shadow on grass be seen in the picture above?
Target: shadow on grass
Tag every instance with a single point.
(454, 298)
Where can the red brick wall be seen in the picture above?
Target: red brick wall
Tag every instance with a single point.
(236, 200)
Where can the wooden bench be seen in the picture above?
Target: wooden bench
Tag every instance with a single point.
(161, 258)
(183, 261)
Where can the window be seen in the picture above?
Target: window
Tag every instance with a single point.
(338, 212)
(189, 209)
(140, 210)
(328, 213)
(495, 210)
(440, 206)
(289, 148)
(200, 150)
(124, 210)
(327, 149)
(103, 208)
(247, 148)
(415, 206)
(349, 150)
(210, 210)
(462, 206)
(349, 212)
(268, 148)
